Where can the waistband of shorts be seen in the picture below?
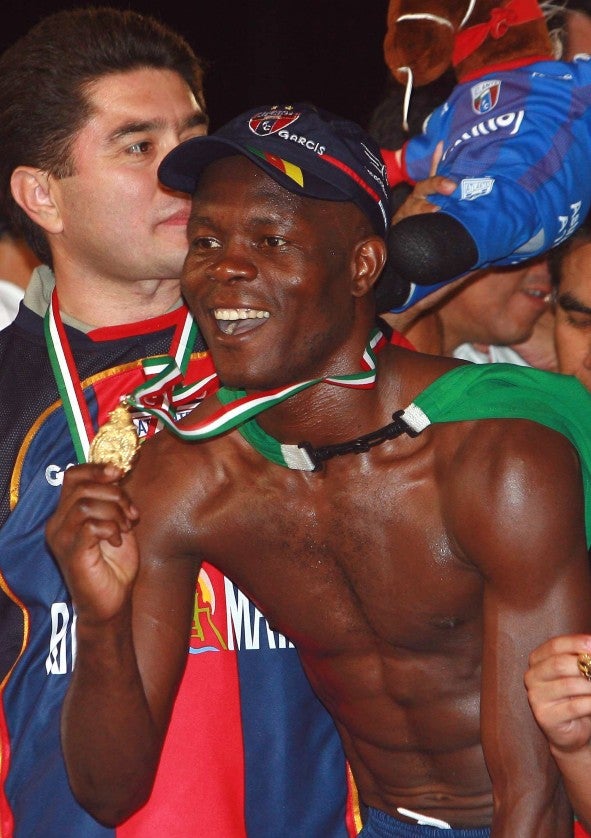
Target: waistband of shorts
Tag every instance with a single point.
(383, 825)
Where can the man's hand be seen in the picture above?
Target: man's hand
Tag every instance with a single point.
(418, 201)
(90, 536)
(559, 695)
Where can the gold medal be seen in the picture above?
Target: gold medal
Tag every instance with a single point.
(584, 664)
(116, 441)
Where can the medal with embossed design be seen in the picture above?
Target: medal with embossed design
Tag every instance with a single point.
(116, 441)
(584, 664)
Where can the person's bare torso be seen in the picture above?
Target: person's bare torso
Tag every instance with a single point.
(359, 573)
(355, 565)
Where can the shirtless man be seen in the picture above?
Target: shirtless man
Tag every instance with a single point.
(414, 577)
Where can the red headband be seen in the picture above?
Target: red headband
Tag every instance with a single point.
(501, 19)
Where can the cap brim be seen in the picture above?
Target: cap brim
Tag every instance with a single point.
(182, 167)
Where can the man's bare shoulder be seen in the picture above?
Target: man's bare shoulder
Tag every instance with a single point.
(511, 485)
(414, 371)
(495, 448)
(174, 478)
(431, 365)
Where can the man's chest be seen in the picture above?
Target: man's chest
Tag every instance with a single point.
(355, 559)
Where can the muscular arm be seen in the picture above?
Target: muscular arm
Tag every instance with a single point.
(133, 622)
(522, 526)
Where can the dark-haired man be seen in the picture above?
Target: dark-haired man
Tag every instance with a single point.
(414, 556)
(571, 274)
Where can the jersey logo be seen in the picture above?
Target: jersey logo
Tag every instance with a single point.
(205, 635)
(485, 96)
(476, 187)
(225, 620)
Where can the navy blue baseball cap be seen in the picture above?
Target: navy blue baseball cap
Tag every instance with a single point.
(308, 151)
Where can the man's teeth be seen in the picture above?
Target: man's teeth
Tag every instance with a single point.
(239, 314)
(228, 318)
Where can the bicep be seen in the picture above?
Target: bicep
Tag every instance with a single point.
(523, 528)
(522, 522)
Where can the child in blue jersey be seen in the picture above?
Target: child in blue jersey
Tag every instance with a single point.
(516, 142)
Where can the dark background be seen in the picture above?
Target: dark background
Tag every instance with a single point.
(263, 51)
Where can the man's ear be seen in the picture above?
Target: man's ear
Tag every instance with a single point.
(31, 189)
(370, 257)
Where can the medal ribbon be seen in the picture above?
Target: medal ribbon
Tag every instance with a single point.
(238, 407)
(68, 381)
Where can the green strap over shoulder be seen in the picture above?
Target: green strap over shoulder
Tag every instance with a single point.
(507, 391)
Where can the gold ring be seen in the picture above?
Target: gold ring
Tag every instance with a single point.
(584, 664)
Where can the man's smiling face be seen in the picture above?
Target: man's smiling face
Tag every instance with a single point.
(268, 276)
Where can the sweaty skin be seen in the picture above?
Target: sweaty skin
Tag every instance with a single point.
(413, 579)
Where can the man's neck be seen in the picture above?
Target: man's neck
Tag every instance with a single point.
(40, 288)
(325, 413)
(117, 304)
(453, 331)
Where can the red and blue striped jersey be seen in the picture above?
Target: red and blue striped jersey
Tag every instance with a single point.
(250, 750)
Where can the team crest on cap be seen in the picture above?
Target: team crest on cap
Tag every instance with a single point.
(270, 122)
(485, 96)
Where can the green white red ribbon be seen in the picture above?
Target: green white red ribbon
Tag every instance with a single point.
(67, 380)
(238, 407)
(164, 393)
(80, 423)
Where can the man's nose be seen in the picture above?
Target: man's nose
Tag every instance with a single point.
(232, 265)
